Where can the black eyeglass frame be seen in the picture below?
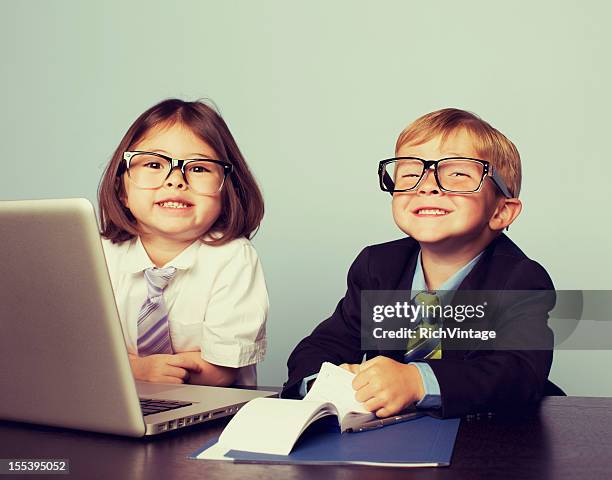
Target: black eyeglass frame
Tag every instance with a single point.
(228, 168)
(387, 185)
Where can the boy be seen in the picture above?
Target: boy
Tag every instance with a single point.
(455, 183)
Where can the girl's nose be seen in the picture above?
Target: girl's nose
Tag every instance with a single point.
(176, 180)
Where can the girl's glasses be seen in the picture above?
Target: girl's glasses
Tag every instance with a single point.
(453, 174)
(150, 170)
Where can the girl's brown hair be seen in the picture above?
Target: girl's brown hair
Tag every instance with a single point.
(241, 199)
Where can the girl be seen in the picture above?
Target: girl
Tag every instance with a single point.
(177, 207)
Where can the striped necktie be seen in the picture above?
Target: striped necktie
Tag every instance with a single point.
(153, 331)
(425, 348)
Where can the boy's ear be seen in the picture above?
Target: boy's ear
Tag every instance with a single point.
(506, 212)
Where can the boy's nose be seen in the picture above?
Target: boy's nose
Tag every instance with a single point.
(176, 179)
(429, 184)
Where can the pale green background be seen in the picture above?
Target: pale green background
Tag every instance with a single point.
(316, 93)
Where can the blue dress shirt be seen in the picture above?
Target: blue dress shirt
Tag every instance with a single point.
(432, 398)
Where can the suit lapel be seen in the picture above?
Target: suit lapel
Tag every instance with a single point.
(401, 281)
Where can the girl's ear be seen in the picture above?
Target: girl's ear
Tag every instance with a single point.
(120, 190)
(506, 212)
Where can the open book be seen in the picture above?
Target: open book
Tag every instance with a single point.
(272, 425)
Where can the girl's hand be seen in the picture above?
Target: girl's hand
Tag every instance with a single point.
(209, 374)
(386, 386)
(163, 368)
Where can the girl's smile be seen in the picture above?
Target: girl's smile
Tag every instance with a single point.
(175, 203)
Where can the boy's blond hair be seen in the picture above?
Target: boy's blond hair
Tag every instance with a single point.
(490, 144)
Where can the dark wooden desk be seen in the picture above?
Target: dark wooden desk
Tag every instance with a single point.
(567, 437)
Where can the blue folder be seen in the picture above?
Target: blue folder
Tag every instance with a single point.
(425, 441)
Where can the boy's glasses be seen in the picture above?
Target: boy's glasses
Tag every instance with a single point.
(453, 174)
(150, 170)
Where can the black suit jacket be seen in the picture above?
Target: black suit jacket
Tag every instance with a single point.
(470, 380)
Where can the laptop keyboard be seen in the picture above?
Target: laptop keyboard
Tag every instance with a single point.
(150, 406)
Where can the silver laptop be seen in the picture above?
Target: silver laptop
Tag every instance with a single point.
(63, 360)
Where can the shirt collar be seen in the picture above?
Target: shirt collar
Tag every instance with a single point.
(419, 284)
(136, 258)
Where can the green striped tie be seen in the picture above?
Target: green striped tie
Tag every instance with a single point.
(420, 348)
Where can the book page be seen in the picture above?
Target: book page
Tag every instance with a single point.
(271, 425)
(334, 385)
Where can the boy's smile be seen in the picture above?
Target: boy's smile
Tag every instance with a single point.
(430, 211)
(441, 219)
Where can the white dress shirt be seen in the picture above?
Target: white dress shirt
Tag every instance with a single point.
(217, 302)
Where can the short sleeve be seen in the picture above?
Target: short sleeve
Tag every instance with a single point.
(234, 333)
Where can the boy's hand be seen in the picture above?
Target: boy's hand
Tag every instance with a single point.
(163, 368)
(351, 367)
(386, 386)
